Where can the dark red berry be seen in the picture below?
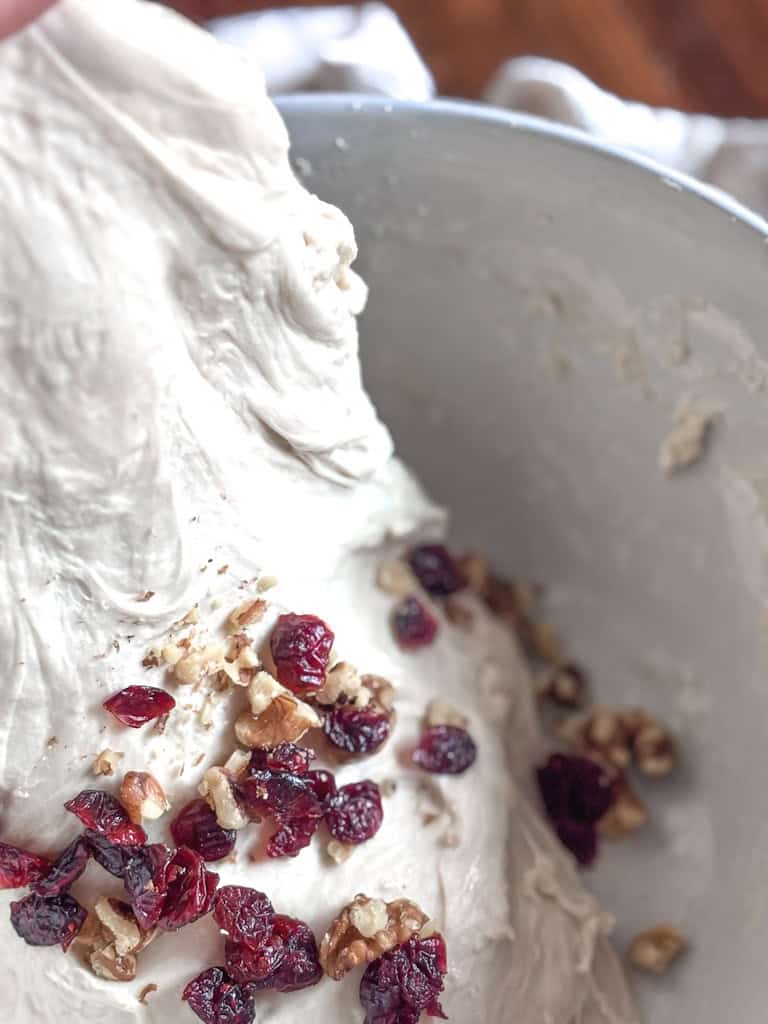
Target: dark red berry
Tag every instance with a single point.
(436, 570)
(117, 859)
(286, 757)
(413, 624)
(20, 867)
(291, 950)
(145, 877)
(136, 705)
(323, 786)
(246, 915)
(576, 789)
(216, 999)
(189, 890)
(405, 982)
(47, 921)
(445, 749)
(195, 826)
(301, 646)
(65, 870)
(355, 813)
(357, 730)
(576, 793)
(102, 813)
(290, 800)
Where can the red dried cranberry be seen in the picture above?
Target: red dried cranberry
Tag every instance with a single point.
(436, 570)
(356, 730)
(102, 813)
(290, 800)
(576, 793)
(195, 826)
(116, 858)
(286, 962)
(301, 645)
(189, 890)
(47, 921)
(323, 786)
(146, 882)
(246, 915)
(355, 813)
(445, 749)
(136, 705)
(575, 788)
(286, 757)
(65, 870)
(413, 624)
(20, 867)
(216, 999)
(405, 982)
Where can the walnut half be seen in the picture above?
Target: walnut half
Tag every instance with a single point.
(365, 929)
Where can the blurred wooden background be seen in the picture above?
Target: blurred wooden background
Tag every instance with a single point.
(703, 55)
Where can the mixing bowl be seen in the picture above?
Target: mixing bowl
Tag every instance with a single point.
(542, 309)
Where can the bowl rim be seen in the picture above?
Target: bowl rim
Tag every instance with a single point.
(467, 110)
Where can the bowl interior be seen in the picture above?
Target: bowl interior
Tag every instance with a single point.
(541, 310)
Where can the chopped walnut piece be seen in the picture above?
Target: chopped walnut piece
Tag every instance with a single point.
(151, 659)
(343, 683)
(113, 940)
(458, 614)
(107, 762)
(441, 712)
(147, 991)
(276, 715)
(364, 930)
(567, 686)
(247, 614)
(266, 583)
(338, 851)
(236, 763)
(627, 814)
(615, 737)
(476, 571)
(171, 653)
(395, 577)
(655, 949)
(217, 789)
(197, 663)
(381, 690)
(653, 748)
(143, 797)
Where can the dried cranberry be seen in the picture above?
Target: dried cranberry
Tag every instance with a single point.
(576, 793)
(102, 813)
(47, 921)
(355, 813)
(20, 867)
(146, 882)
(189, 890)
(136, 705)
(250, 963)
(323, 786)
(195, 826)
(575, 788)
(290, 951)
(301, 645)
(246, 915)
(286, 757)
(356, 730)
(290, 800)
(413, 624)
(65, 870)
(216, 999)
(445, 749)
(436, 570)
(405, 982)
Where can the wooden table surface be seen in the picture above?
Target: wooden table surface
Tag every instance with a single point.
(703, 55)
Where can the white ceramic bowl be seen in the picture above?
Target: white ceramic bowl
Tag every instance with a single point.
(539, 307)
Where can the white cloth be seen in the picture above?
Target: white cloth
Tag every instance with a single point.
(366, 49)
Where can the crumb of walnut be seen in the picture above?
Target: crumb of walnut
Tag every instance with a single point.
(567, 686)
(343, 683)
(381, 691)
(338, 851)
(107, 761)
(626, 815)
(442, 712)
(655, 949)
(276, 715)
(365, 929)
(216, 788)
(395, 577)
(652, 745)
(143, 797)
(247, 613)
(476, 570)
(147, 991)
